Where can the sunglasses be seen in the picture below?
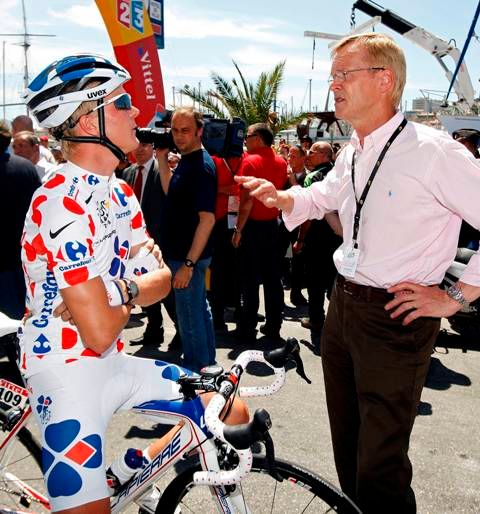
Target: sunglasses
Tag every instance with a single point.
(122, 102)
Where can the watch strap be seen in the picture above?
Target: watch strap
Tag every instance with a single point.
(455, 293)
(189, 263)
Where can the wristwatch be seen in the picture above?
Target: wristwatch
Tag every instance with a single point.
(189, 263)
(132, 290)
(455, 293)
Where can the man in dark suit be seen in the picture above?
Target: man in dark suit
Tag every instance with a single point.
(143, 177)
(18, 182)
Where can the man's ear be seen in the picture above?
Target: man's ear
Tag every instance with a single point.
(89, 124)
(387, 81)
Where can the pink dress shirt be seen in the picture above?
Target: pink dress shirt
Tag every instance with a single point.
(411, 218)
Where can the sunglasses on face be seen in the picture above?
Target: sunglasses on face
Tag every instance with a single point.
(122, 102)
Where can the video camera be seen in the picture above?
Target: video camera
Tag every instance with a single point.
(223, 138)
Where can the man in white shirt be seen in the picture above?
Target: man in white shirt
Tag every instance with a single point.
(401, 191)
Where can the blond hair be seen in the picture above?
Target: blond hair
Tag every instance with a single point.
(68, 127)
(383, 52)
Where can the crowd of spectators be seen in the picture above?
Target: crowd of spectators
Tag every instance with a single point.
(246, 246)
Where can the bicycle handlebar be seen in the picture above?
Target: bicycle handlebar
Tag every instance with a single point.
(227, 388)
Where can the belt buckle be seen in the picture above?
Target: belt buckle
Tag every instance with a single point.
(347, 289)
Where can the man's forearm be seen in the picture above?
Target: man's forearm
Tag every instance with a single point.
(284, 201)
(201, 236)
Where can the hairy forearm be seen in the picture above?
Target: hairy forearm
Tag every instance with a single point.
(284, 201)
(153, 286)
(201, 236)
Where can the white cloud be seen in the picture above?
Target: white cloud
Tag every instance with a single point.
(256, 59)
(208, 25)
(86, 15)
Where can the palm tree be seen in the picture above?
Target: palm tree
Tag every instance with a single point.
(251, 102)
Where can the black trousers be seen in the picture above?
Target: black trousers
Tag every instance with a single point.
(320, 276)
(374, 371)
(154, 313)
(224, 279)
(259, 263)
(295, 270)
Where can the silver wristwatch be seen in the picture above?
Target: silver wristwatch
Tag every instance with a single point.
(455, 293)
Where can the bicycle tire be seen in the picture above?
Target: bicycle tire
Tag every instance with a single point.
(23, 459)
(313, 494)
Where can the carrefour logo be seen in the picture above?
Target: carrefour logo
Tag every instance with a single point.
(130, 14)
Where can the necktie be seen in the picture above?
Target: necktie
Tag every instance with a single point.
(137, 186)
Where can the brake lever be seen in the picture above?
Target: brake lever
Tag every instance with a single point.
(270, 455)
(299, 367)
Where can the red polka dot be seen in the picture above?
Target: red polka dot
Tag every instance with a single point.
(36, 214)
(120, 345)
(68, 361)
(69, 338)
(55, 181)
(91, 225)
(88, 352)
(30, 252)
(72, 206)
(76, 276)
(137, 221)
(126, 189)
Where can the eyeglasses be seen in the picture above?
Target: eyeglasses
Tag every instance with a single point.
(122, 102)
(341, 75)
(248, 136)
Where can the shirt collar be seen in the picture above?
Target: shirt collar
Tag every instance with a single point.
(262, 150)
(379, 137)
(147, 166)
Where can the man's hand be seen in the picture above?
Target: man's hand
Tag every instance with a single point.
(422, 301)
(261, 189)
(62, 312)
(297, 246)
(182, 277)
(236, 238)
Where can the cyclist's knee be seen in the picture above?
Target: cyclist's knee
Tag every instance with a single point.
(238, 413)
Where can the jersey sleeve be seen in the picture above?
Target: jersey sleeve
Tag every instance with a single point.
(64, 239)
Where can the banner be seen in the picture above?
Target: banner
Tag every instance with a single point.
(133, 40)
(155, 10)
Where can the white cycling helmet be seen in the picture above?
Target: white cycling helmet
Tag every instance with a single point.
(46, 97)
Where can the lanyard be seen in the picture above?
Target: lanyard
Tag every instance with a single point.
(361, 201)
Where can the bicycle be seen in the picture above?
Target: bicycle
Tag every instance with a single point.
(219, 468)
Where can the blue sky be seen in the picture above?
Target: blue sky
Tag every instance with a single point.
(205, 35)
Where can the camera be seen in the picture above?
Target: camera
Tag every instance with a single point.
(221, 137)
(158, 133)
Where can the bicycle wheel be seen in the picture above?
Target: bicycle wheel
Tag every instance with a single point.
(21, 479)
(301, 491)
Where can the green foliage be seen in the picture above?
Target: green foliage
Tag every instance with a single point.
(253, 102)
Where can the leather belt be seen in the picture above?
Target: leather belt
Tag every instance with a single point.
(366, 293)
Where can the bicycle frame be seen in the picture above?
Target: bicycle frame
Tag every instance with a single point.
(192, 436)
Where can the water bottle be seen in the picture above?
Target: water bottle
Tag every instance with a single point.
(124, 467)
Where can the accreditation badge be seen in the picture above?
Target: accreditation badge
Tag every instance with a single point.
(349, 263)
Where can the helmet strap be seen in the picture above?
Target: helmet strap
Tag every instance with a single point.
(102, 139)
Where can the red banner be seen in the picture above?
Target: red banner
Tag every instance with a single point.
(133, 40)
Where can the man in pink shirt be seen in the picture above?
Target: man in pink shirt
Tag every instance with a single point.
(401, 191)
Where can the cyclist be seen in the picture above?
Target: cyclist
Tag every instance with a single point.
(84, 241)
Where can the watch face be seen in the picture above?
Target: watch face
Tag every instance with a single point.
(134, 289)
